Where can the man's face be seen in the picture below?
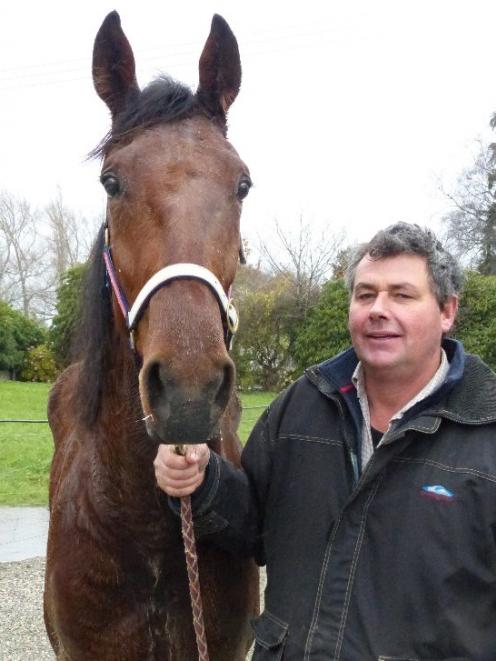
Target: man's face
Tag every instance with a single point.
(395, 321)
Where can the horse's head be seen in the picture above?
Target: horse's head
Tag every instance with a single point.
(174, 187)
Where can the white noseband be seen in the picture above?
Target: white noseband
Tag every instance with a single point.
(176, 272)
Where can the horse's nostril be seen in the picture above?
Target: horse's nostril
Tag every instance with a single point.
(157, 384)
(225, 387)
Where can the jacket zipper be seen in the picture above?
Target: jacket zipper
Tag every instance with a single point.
(352, 456)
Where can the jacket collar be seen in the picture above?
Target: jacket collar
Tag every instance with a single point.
(470, 400)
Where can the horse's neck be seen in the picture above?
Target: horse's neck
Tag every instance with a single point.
(121, 416)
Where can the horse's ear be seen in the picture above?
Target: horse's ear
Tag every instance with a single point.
(114, 71)
(220, 68)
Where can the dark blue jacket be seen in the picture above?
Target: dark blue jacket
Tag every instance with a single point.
(397, 563)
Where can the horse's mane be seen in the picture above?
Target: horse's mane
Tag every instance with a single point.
(163, 100)
(92, 343)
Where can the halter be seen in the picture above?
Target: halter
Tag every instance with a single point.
(180, 271)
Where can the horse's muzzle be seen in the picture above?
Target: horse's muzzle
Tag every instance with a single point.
(179, 413)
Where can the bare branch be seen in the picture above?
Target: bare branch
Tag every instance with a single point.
(302, 260)
(469, 225)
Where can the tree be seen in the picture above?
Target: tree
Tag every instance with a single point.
(325, 332)
(476, 323)
(341, 262)
(249, 279)
(67, 315)
(275, 301)
(261, 346)
(68, 243)
(18, 334)
(69, 236)
(471, 225)
(36, 249)
(9, 354)
(39, 365)
(22, 255)
(304, 260)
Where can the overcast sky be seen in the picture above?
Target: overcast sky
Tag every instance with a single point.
(349, 112)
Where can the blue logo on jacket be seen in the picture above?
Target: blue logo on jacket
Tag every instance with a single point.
(437, 492)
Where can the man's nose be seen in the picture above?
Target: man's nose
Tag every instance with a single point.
(380, 307)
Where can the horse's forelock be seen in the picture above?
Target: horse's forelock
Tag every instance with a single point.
(163, 100)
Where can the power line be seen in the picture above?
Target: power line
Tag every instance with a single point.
(64, 72)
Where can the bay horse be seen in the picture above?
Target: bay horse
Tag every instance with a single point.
(115, 584)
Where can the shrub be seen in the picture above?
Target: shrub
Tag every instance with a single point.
(476, 323)
(67, 317)
(18, 334)
(325, 332)
(39, 365)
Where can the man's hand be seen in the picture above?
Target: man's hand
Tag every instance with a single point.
(179, 475)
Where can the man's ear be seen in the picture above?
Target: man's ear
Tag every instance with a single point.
(448, 313)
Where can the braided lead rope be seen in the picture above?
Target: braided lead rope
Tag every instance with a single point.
(193, 574)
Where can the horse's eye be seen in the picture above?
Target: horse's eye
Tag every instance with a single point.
(111, 183)
(243, 188)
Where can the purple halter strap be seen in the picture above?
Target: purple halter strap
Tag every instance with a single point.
(158, 280)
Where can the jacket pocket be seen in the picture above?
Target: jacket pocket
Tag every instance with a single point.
(270, 637)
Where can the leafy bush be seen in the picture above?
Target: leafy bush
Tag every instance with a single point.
(262, 343)
(325, 332)
(476, 323)
(39, 365)
(9, 353)
(66, 319)
(18, 334)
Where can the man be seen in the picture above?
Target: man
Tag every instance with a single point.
(369, 486)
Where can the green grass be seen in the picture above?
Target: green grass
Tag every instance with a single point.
(254, 404)
(26, 449)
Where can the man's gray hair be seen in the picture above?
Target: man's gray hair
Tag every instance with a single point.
(445, 275)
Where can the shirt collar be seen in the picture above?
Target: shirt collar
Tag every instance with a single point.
(436, 381)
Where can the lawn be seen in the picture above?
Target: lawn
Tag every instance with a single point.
(254, 404)
(26, 448)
